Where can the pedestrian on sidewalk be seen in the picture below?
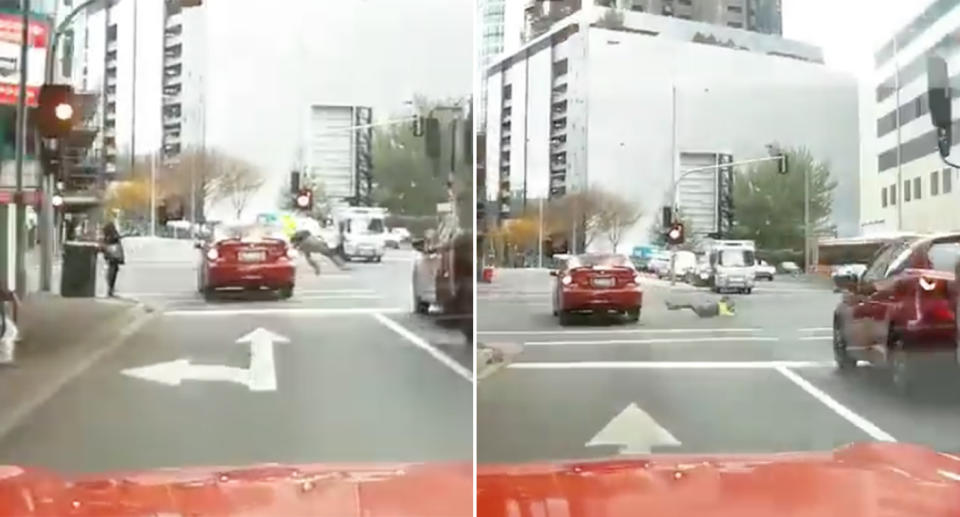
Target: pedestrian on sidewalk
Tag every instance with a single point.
(113, 253)
(307, 243)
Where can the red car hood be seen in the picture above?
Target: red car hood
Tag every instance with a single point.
(875, 479)
(399, 490)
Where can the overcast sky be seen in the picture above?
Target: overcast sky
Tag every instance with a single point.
(848, 31)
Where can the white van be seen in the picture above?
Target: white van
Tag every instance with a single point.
(363, 232)
(733, 265)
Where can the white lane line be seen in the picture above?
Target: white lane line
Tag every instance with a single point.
(815, 338)
(816, 329)
(862, 423)
(669, 365)
(292, 311)
(421, 343)
(655, 341)
(611, 331)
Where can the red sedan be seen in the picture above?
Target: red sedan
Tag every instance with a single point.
(596, 284)
(246, 257)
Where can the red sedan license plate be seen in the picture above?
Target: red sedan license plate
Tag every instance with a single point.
(603, 282)
(251, 256)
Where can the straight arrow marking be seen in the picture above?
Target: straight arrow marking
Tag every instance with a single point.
(634, 432)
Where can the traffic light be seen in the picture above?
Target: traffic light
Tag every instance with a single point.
(431, 128)
(675, 235)
(294, 182)
(56, 110)
(784, 166)
(418, 126)
(667, 216)
(304, 199)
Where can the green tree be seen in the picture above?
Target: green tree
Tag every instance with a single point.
(768, 206)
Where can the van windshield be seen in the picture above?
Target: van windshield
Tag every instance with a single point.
(365, 226)
(736, 258)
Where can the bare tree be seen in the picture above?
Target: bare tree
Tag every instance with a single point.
(615, 216)
(236, 180)
(578, 211)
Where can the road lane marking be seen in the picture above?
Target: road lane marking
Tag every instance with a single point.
(816, 329)
(815, 338)
(655, 341)
(633, 431)
(292, 311)
(421, 343)
(669, 365)
(862, 423)
(614, 331)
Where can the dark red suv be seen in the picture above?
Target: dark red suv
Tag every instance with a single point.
(900, 313)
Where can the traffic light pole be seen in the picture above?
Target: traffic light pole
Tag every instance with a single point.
(21, 141)
(684, 174)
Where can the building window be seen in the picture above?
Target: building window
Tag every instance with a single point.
(66, 67)
(735, 8)
(893, 194)
(916, 188)
(883, 197)
(560, 68)
(906, 191)
(736, 25)
(934, 183)
(947, 180)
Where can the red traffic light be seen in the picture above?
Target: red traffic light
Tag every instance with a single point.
(56, 111)
(304, 199)
(675, 235)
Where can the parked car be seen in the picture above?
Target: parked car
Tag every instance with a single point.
(659, 264)
(764, 270)
(251, 257)
(443, 277)
(790, 268)
(596, 283)
(900, 314)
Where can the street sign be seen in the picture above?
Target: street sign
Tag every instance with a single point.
(260, 376)
(634, 432)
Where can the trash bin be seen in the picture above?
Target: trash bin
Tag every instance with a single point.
(78, 277)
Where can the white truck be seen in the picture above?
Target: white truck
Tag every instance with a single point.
(361, 231)
(732, 264)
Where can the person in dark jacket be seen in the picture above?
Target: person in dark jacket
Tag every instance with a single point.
(307, 244)
(113, 253)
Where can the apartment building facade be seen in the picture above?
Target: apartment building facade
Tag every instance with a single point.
(904, 183)
(565, 113)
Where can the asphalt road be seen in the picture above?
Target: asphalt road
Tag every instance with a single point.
(342, 372)
(760, 381)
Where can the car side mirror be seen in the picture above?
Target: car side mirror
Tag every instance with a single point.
(554, 272)
(418, 244)
(198, 245)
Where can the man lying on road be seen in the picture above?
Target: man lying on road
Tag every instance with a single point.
(706, 308)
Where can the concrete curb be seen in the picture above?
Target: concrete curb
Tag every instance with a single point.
(111, 338)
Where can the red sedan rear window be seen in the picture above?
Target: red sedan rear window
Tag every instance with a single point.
(592, 260)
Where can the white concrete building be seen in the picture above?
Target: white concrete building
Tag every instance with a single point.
(904, 184)
(583, 106)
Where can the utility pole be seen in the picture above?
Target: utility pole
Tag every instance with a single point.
(806, 218)
(133, 102)
(21, 142)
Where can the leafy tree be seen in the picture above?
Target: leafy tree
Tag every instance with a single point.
(768, 206)
(580, 210)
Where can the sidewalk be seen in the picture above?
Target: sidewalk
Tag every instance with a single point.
(59, 338)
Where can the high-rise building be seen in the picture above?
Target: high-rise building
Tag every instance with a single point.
(586, 106)
(904, 184)
(492, 25)
(764, 16)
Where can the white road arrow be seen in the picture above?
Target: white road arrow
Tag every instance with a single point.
(634, 431)
(261, 376)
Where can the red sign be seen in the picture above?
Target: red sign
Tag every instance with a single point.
(11, 27)
(9, 93)
(30, 197)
